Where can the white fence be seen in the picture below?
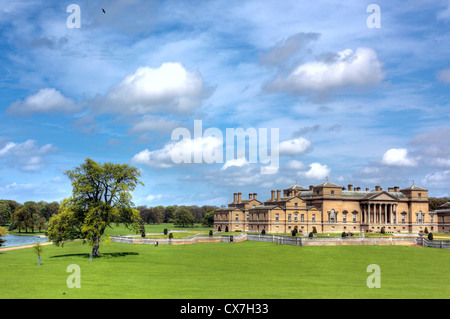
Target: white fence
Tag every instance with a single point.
(433, 243)
(287, 240)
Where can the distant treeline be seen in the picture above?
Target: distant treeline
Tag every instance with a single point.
(33, 216)
(435, 202)
(29, 216)
(180, 215)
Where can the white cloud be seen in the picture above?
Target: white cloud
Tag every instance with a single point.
(343, 69)
(154, 123)
(295, 165)
(188, 150)
(151, 198)
(317, 171)
(235, 162)
(27, 156)
(47, 100)
(438, 179)
(295, 146)
(169, 88)
(397, 157)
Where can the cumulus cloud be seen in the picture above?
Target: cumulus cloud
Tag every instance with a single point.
(47, 100)
(27, 156)
(235, 162)
(346, 68)
(317, 171)
(296, 146)
(295, 165)
(398, 157)
(198, 150)
(437, 179)
(170, 88)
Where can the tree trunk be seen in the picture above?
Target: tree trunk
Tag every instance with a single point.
(95, 247)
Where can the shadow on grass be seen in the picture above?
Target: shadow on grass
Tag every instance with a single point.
(103, 255)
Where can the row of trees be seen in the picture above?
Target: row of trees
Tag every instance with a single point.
(179, 215)
(29, 216)
(436, 202)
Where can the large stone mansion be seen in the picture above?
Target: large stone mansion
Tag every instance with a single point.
(330, 208)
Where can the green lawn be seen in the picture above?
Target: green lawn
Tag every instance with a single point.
(226, 270)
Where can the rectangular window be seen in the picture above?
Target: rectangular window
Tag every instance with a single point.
(420, 195)
(296, 217)
(289, 217)
(237, 217)
(431, 219)
(277, 217)
(314, 218)
(248, 217)
(296, 205)
(354, 218)
(403, 218)
(332, 193)
(344, 218)
(302, 217)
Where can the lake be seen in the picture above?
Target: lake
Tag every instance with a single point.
(19, 240)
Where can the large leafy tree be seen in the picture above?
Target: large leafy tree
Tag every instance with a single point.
(183, 217)
(101, 197)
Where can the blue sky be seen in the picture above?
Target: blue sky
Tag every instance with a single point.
(359, 105)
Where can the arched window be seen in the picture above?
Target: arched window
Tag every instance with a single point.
(344, 216)
(332, 216)
(354, 213)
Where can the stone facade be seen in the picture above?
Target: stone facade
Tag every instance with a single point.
(443, 217)
(329, 207)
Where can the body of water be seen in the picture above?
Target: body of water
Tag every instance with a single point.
(19, 240)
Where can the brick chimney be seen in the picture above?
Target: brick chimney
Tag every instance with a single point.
(311, 187)
(250, 196)
(239, 197)
(234, 197)
(378, 188)
(396, 189)
(272, 198)
(390, 189)
(278, 194)
(367, 189)
(255, 196)
(350, 187)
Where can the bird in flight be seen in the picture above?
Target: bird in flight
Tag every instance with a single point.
(103, 10)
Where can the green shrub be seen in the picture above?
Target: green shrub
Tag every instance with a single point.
(210, 233)
(263, 232)
(382, 231)
(294, 232)
(165, 231)
(170, 235)
(344, 234)
(226, 229)
(430, 236)
(219, 229)
(311, 235)
(426, 230)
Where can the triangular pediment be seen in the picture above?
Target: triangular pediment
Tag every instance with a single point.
(382, 196)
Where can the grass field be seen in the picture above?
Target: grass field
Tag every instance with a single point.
(226, 270)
